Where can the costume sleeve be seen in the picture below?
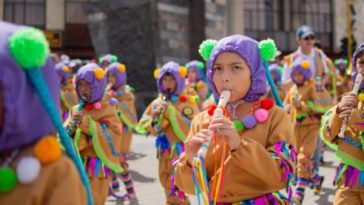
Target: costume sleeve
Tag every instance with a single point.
(278, 156)
(65, 184)
(184, 175)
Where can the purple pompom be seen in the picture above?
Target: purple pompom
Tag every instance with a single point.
(249, 121)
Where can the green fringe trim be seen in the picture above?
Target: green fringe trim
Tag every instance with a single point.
(125, 120)
(349, 160)
(324, 122)
(99, 152)
(333, 84)
(175, 125)
(317, 109)
(362, 140)
(64, 101)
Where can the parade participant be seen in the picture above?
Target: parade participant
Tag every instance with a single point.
(195, 80)
(107, 59)
(119, 90)
(96, 130)
(168, 117)
(308, 100)
(68, 93)
(276, 72)
(344, 82)
(305, 38)
(255, 138)
(33, 168)
(349, 146)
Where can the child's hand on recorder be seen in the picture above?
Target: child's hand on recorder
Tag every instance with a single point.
(223, 126)
(193, 144)
(347, 103)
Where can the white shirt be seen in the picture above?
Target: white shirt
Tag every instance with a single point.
(286, 74)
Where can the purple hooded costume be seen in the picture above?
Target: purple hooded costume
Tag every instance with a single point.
(297, 66)
(172, 68)
(97, 85)
(359, 50)
(246, 48)
(25, 119)
(62, 73)
(277, 70)
(120, 77)
(197, 66)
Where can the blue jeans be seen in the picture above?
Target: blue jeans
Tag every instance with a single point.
(317, 155)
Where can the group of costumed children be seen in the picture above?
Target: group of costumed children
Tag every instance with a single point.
(66, 139)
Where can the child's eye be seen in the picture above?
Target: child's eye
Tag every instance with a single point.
(217, 68)
(237, 67)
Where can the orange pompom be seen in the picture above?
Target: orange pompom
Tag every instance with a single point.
(99, 73)
(121, 68)
(305, 64)
(156, 72)
(182, 71)
(267, 103)
(65, 69)
(47, 150)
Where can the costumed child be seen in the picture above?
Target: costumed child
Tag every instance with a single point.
(252, 137)
(123, 93)
(276, 72)
(96, 130)
(344, 82)
(168, 117)
(195, 81)
(68, 93)
(307, 101)
(348, 140)
(33, 168)
(107, 59)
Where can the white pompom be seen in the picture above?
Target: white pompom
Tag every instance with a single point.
(127, 89)
(28, 170)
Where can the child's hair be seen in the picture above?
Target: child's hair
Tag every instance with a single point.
(177, 71)
(119, 71)
(301, 65)
(255, 55)
(95, 76)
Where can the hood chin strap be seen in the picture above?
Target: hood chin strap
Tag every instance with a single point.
(231, 107)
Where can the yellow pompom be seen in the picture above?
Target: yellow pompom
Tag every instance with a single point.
(66, 69)
(121, 68)
(182, 71)
(156, 72)
(361, 96)
(99, 73)
(199, 84)
(193, 99)
(305, 64)
(47, 150)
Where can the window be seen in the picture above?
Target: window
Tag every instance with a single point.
(28, 12)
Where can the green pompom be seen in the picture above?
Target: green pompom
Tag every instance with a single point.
(238, 125)
(206, 48)
(280, 69)
(200, 65)
(29, 48)
(132, 90)
(114, 58)
(267, 49)
(119, 113)
(7, 179)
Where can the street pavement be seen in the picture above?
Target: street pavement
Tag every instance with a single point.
(144, 170)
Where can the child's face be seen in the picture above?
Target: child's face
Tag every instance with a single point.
(232, 73)
(84, 89)
(105, 64)
(169, 82)
(111, 78)
(298, 77)
(191, 75)
(360, 63)
(1, 109)
(341, 67)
